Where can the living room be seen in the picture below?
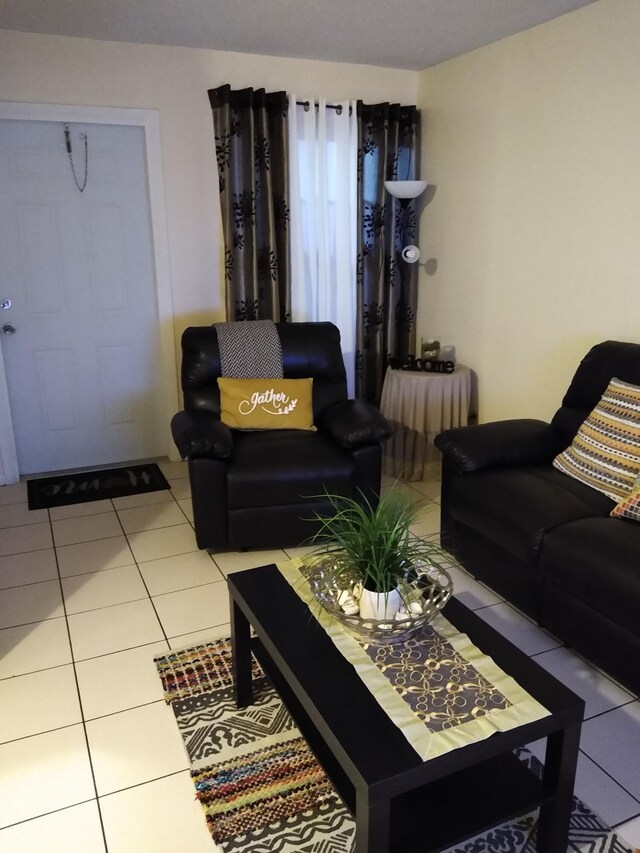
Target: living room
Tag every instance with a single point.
(530, 225)
(529, 239)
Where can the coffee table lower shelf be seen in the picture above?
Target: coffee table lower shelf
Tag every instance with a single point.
(439, 814)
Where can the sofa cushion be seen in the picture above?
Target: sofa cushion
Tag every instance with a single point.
(596, 561)
(605, 452)
(515, 507)
(259, 477)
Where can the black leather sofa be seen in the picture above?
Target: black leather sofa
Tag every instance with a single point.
(541, 538)
(263, 488)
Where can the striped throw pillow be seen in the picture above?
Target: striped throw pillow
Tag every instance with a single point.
(605, 452)
(629, 507)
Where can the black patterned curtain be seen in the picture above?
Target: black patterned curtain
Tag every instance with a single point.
(253, 163)
(388, 149)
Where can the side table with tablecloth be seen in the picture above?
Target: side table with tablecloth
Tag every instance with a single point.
(419, 405)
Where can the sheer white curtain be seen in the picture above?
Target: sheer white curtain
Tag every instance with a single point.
(323, 152)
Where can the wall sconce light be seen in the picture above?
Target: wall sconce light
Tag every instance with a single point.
(406, 191)
(411, 254)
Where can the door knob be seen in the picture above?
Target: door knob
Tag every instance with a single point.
(9, 329)
(5, 303)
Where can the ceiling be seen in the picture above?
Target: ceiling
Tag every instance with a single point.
(409, 34)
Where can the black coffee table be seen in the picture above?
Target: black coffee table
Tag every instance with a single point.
(401, 803)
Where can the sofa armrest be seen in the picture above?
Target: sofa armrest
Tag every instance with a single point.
(500, 444)
(354, 423)
(198, 433)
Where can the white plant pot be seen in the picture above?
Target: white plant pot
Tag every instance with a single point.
(379, 605)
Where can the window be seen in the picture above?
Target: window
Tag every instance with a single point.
(323, 201)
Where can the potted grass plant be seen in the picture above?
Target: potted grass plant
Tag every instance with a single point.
(374, 546)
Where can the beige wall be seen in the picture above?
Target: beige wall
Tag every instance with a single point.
(174, 81)
(534, 146)
(532, 143)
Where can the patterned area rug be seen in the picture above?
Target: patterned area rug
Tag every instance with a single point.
(83, 486)
(261, 788)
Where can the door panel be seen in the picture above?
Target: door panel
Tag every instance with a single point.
(55, 389)
(39, 245)
(82, 366)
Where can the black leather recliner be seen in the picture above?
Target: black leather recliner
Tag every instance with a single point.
(543, 539)
(263, 488)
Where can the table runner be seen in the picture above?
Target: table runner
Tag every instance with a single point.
(438, 688)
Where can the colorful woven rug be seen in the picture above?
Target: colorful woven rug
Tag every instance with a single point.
(83, 486)
(261, 788)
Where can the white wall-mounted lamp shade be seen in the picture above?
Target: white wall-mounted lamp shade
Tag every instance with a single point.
(411, 254)
(405, 189)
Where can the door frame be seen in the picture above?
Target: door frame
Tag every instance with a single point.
(149, 121)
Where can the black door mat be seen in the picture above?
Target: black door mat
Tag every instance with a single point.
(83, 486)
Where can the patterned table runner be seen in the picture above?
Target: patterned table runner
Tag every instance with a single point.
(438, 688)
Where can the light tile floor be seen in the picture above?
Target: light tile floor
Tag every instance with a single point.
(90, 756)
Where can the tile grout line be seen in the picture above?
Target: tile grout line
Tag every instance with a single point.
(46, 814)
(626, 820)
(144, 583)
(616, 781)
(595, 668)
(146, 782)
(78, 692)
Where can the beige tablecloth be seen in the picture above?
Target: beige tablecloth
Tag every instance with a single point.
(418, 406)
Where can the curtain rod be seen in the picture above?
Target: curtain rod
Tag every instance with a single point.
(336, 107)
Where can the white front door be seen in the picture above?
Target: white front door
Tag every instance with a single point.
(83, 364)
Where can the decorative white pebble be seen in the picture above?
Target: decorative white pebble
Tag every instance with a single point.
(348, 604)
(343, 596)
(415, 608)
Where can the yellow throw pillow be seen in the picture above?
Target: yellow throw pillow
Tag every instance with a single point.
(266, 403)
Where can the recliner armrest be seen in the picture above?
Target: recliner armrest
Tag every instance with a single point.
(354, 423)
(500, 444)
(198, 433)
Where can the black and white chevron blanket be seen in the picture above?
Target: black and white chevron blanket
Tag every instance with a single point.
(250, 349)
